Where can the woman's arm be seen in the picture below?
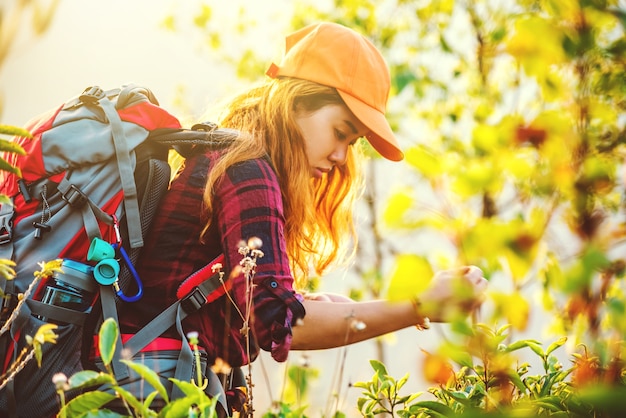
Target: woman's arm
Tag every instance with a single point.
(335, 324)
(331, 322)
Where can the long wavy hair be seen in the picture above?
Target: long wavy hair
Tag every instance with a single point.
(319, 224)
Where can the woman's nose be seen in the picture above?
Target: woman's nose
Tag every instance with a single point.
(339, 155)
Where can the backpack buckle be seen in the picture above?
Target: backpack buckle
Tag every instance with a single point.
(92, 95)
(6, 225)
(7, 306)
(204, 127)
(75, 197)
(193, 301)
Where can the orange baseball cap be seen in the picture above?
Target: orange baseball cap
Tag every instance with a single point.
(336, 56)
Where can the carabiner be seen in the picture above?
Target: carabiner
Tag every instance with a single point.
(130, 266)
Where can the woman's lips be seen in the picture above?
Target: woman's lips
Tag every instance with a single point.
(318, 172)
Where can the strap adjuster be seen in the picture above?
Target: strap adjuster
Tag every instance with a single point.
(92, 95)
(75, 197)
(6, 228)
(194, 300)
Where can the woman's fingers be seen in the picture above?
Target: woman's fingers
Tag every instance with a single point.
(461, 289)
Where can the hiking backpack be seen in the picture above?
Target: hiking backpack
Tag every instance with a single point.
(94, 172)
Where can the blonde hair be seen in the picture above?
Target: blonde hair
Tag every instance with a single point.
(318, 212)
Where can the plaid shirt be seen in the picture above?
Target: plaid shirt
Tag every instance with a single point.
(247, 203)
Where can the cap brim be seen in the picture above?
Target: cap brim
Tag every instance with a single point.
(381, 137)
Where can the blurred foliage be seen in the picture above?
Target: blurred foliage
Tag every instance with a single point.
(511, 114)
(496, 385)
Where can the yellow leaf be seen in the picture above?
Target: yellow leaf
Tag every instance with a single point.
(513, 307)
(411, 276)
(518, 264)
(536, 44)
(476, 176)
(485, 137)
(424, 160)
(518, 163)
(397, 206)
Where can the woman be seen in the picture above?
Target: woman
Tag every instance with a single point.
(290, 180)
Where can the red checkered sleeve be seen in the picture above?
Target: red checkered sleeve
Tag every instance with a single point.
(248, 204)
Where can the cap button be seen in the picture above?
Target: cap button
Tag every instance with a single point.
(273, 70)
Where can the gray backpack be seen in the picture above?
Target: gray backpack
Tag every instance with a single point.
(93, 172)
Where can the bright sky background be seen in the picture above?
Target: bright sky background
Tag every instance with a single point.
(113, 42)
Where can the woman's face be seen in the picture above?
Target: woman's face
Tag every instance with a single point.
(327, 133)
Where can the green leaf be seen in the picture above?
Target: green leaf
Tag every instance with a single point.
(361, 385)
(132, 401)
(379, 367)
(11, 147)
(536, 347)
(149, 375)
(432, 406)
(5, 200)
(89, 378)
(503, 329)
(180, 407)
(101, 413)
(558, 343)
(461, 326)
(547, 406)
(188, 388)
(150, 398)
(517, 381)
(86, 402)
(14, 131)
(107, 340)
(402, 381)
(457, 354)
(5, 166)
(520, 344)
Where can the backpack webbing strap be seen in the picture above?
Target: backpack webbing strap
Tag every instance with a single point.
(127, 176)
(56, 313)
(90, 211)
(186, 361)
(174, 315)
(11, 401)
(191, 303)
(107, 300)
(6, 247)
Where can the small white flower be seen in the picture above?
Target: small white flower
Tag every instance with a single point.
(60, 381)
(255, 243)
(357, 325)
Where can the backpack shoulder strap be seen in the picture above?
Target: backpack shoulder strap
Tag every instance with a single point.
(122, 153)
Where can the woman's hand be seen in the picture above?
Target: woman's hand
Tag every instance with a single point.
(452, 293)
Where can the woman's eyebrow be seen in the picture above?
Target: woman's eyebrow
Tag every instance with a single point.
(351, 125)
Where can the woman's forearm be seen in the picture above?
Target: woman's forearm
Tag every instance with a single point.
(332, 324)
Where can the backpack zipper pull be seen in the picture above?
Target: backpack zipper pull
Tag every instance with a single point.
(40, 229)
(42, 226)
